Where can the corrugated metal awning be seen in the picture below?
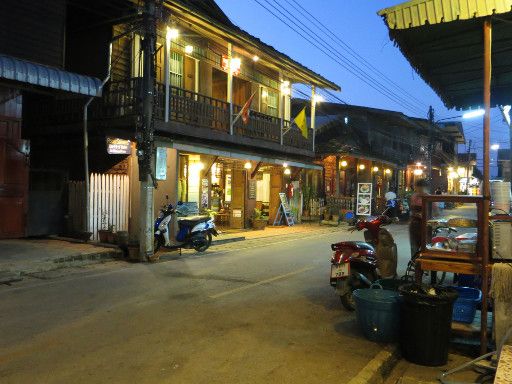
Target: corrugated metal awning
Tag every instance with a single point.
(37, 74)
(416, 13)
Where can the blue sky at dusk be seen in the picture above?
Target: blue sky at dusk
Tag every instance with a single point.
(356, 22)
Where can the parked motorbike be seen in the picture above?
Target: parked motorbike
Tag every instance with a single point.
(354, 264)
(193, 232)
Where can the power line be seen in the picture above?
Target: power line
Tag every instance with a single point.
(337, 58)
(350, 62)
(336, 37)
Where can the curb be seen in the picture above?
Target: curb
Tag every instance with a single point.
(227, 241)
(378, 369)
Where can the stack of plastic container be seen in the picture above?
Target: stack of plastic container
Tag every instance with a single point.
(501, 196)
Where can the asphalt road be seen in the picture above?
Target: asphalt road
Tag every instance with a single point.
(259, 311)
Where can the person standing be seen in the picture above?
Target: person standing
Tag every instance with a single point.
(416, 208)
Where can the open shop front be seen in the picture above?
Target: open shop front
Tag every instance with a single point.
(240, 190)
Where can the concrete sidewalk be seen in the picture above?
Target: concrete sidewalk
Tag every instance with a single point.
(29, 256)
(230, 235)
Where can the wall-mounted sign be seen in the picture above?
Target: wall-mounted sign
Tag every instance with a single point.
(253, 184)
(237, 213)
(161, 163)
(116, 146)
(364, 199)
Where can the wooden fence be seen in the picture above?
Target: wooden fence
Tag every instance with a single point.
(109, 203)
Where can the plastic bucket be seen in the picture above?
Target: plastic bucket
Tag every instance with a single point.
(390, 284)
(378, 314)
(464, 308)
(426, 324)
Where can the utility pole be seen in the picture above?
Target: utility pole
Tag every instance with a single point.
(430, 142)
(145, 132)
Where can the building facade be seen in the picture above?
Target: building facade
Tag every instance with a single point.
(206, 70)
(388, 149)
(31, 66)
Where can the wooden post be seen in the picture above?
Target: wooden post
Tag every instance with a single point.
(167, 60)
(313, 114)
(230, 87)
(337, 177)
(486, 183)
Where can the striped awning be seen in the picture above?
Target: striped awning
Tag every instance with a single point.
(24, 71)
(416, 13)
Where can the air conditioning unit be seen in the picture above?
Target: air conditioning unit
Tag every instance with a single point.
(501, 240)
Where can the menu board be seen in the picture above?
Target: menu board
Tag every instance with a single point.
(364, 199)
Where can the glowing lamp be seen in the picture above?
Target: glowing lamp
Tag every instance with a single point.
(362, 167)
(189, 49)
(287, 171)
(344, 163)
(172, 33)
(248, 165)
(418, 172)
(255, 58)
(375, 169)
(387, 171)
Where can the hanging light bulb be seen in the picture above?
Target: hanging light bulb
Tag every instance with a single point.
(362, 167)
(375, 169)
(387, 171)
(189, 49)
(344, 163)
(287, 171)
(248, 165)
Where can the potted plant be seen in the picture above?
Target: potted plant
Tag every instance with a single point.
(307, 195)
(258, 220)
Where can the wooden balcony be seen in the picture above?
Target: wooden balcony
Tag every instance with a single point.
(191, 115)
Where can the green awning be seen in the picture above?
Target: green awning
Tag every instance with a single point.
(443, 41)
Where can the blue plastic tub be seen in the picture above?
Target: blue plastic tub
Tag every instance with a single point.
(464, 308)
(378, 314)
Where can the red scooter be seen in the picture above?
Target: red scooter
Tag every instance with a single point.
(354, 263)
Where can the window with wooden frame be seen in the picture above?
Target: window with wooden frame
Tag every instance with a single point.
(176, 70)
(272, 103)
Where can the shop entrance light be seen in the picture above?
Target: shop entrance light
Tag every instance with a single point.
(248, 165)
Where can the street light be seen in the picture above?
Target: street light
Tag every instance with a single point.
(475, 113)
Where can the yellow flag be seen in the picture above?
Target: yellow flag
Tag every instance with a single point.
(301, 122)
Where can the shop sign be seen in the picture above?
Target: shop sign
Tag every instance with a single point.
(252, 189)
(237, 213)
(161, 163)
(116, 146)
(364, 199)
(204, 193)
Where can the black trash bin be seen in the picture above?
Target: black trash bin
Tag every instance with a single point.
(425, 320)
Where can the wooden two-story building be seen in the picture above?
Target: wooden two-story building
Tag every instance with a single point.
(357, 144)
(207, 68)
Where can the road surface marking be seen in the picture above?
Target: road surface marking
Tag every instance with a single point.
(266, 281)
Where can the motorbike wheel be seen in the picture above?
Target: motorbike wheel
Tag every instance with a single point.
(204, 245)
(347, 300)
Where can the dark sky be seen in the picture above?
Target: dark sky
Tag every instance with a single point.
(356, 22)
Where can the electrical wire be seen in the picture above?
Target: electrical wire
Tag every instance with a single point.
(336, 38)
(334, 55)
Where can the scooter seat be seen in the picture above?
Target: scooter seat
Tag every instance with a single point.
(193, 220)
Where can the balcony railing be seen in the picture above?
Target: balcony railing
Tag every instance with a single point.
(123, 99)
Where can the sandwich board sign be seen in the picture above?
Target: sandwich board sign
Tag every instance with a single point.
(364, 199)
(284, 212)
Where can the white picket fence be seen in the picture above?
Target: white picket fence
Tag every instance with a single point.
(108, 200)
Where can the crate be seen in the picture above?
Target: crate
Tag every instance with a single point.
(501, 240)
(464, 308)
